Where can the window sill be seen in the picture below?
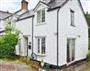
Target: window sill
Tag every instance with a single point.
(40, 23)
(42, 55)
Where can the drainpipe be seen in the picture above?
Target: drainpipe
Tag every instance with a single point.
(32, 32)
(58, 37)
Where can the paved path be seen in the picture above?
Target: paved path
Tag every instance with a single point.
(4, 66)
(81, 66)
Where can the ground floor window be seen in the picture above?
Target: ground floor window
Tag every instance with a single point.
(41, 45)
(19, 44)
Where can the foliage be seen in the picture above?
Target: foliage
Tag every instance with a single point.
(87, 15)
(8, 42)
(88, 55)
(89, 44)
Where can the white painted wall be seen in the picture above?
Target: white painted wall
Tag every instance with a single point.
(25, 27)
(67, 31)
(49, 28)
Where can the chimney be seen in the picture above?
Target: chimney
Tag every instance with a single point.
(24, 5)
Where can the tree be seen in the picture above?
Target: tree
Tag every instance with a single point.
(87, 15)
(8, 41)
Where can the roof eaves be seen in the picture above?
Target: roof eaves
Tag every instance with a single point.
(24, 18)
(5, 12)
(2, 31)
(82, 11)
(40, 2)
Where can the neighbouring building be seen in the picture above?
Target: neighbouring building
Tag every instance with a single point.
(3, 14)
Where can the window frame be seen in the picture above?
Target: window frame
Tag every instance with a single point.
(41, 16)
(41, 48)
(71, 48)
(72, 15)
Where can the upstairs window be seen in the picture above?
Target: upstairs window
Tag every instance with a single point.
(72, 18)
(41, 16)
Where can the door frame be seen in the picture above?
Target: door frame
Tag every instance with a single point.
(70, 51)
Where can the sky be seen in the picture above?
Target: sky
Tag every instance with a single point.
(14, 5)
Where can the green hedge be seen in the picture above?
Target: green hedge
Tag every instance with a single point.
(88, 55)
(89, 44)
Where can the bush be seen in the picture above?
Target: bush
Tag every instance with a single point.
(89, 44)
(88, 55)
(8, 42)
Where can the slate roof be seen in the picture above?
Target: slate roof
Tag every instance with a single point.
(55, 3)
(50, 3)
(11, 14)
(4, 14)
(27, 14)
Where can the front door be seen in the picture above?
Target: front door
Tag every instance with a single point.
(70, 50)
(26, 45)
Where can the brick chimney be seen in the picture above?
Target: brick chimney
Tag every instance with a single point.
(24, 5)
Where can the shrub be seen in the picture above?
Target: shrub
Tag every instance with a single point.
(8, 42)
(89, 44)
(88, 55)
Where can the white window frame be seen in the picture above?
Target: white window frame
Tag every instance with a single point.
(41, 16)
(72, 13)
(41, 51)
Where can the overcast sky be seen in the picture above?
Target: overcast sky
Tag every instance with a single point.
(14, 5)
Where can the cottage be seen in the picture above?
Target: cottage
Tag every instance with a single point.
(3, 14)
(55, 31)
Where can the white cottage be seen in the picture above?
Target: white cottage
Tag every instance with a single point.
(55, 31)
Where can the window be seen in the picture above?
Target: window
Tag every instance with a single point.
(41, 16)
(72, 18)
(19, 44)
(38, 16)
(38, 45)
(41, 45)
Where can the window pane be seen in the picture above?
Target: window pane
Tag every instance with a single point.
(43, 15)
(72, 18)
(38, 16)
(43, 46)
(73, 49)
(38, 45)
